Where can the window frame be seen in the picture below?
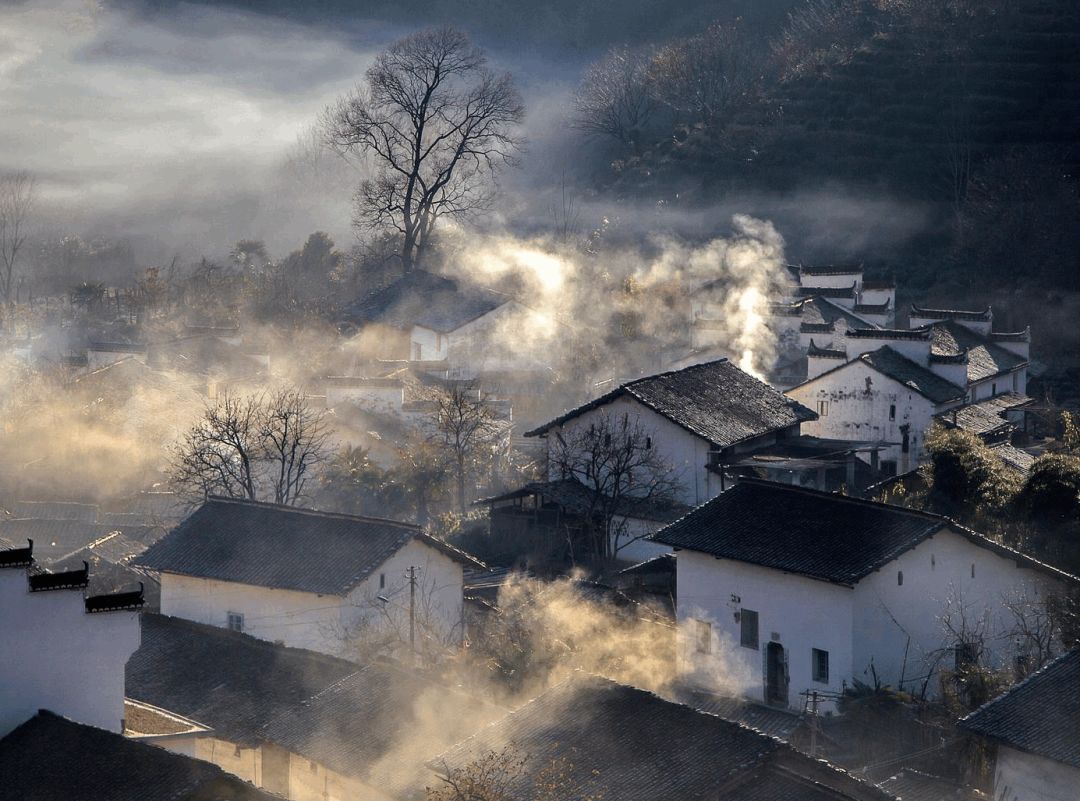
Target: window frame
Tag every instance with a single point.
(234, 621)
(743, 639)
(817, 655)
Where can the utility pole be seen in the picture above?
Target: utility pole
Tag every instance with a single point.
(813, 724)
(411, 573)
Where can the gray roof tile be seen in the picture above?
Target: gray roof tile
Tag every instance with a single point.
(716, 401)
(1040, 715)
(268, 545)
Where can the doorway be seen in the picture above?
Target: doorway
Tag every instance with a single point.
(776, 678)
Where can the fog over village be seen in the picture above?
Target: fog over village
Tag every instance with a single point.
(581, 401)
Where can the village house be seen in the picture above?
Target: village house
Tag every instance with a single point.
(303, 725)
(593, 738)
(52, 758)
(61, 650)
(946, 360)
(310, 579)
(808, 591)
(423, 317)
(1034, 732)
(698, 418)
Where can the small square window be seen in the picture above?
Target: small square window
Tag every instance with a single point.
(823, 408)
(704, 636)
(382, 581)
(748, 628)
(236, 621)
(820, 665)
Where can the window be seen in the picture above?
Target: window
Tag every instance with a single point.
(993, 390)
(648, 443)
(236, 752)
(313, 765)
(236, 621)
(892, 411)
(704, 636)
(823, 408)
(933, 562)
(973, 570)
(820, 665)
(899, 578)
(748, 631)
(888, 467)
(382, 581)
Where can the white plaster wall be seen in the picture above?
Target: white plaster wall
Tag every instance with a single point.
(510, 337)
(315, 782)
(298, 619)
(1020, 776)
(799, 613)
(1015, 381)
(900, 627)
(244, 762)
(684, 452)
(432, 344)
(439, 593)
(854, 414)
(637, 550)
(836, 280)
(978, 326)
(816, 365)
(918, 350)
(55, 656)
(874, 297)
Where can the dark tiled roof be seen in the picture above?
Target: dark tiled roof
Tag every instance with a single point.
(872, 308)
(825, 353)
(768, 720)
(889, 333)
(985, 359)
(898, 367)
(716, 401)
(800, 531)
(609, 740)
(229, 681)
(913, 785)
(823, 312)
(985, 417)
(950, 314)
(831, 269)
(49, 758)
(267, 545)
(56, 540)
(352, 724)
(1038, 715)
(424, 299)
(817, 534)
(574, 497)
(1014, 457)
(55, 510)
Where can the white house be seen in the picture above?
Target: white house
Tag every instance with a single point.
(309, 579)
(883, 396)
(698, 418)
(1035, 727)
(807, 591)
(59, 650)
(304, 725)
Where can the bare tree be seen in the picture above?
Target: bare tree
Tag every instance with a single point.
(251, 447)
(614, 99)
(703, 78)
(16, 201)
(437, 124)
(509, 774)
(468, 430)
(615, 458)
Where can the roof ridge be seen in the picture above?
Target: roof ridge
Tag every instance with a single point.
(836, 496)
(308, 511)
(673, 371)
(1075, 652)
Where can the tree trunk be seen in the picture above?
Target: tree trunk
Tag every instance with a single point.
(461, 483)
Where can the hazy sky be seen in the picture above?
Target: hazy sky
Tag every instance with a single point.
(174, 124)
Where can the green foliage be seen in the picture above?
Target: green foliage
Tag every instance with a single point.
(1049, 504)
(1070, 431)
(967, 480)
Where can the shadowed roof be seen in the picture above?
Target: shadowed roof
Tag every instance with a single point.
(893, 364)
(985, 358)
(715, 400)
(1040, 715)
(424, 299)
(612, 741)
(50, 758)
(816, 534)
(268, 545)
